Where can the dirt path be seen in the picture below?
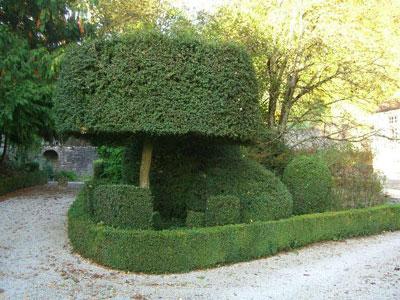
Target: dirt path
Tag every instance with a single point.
(36, 263)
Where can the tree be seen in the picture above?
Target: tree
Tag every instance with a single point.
(32, 36)
(310, 55)
(179, 102)
(150, 84)
(44, 23)
(25, 91)
(122, 15)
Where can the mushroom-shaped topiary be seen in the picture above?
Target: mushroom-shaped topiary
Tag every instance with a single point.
(148, 84)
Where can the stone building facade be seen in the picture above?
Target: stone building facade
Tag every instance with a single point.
(76, 157)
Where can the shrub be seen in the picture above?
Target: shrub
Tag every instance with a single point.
(98, 168)
(21, 180)
(31, 166)
(354, 189)
(195, 219)
(185, 173)
(270, 151)
(63, 176)
(310, 182)
(111, 169)
(169, 251)
(131, 162)
(355, 184)
(151, 83)
(222, 210)
(156, 220)
(88, 191)
(123, 206)
(48, 168)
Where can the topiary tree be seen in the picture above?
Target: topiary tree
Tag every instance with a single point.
(184, 98)
(147, 85)
(310, 182)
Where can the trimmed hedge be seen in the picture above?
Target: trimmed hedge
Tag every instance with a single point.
(23, 180)
(195, 219)
(309, 180)
(125, 206)
(186, 172)
(148, 82)
(170, 251)
(222, 210)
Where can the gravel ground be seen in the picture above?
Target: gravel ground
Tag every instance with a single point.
(36, 263)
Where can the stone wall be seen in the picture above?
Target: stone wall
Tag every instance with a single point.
(71, 158)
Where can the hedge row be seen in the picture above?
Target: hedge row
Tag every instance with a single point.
(184, 250)
(125, 206)
(23, 180)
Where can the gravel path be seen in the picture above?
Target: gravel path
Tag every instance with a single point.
(36, 263)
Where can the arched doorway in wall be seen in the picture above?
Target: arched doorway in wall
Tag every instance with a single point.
(51, 158)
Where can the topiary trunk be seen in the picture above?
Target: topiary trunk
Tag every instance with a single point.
(144, 176)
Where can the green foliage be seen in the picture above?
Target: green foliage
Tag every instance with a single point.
(156, 220)
(98, 168)
(310, 182)
(43, 23)
(304, 62)
(170, 251)
(120, 15)
(65, 175)
(222, 210)
(270, 151)
(186, 172)
(48, 169)
(123, 206)
(147, 82)
(21, 180)
(195, 218)
(131, 162)
(111, 169)
(88, 194)
(31, 166)
(25, 90)
(355, 184)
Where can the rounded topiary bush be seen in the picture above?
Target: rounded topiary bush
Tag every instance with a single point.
(310, 182)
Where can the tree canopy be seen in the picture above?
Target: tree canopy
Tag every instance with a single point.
(32, 35)
(44, 23)
(25, 90)
(309, 55)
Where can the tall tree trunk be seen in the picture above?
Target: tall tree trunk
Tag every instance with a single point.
(287, 102)
(144, 177)
(3, 156)
(273, 98)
